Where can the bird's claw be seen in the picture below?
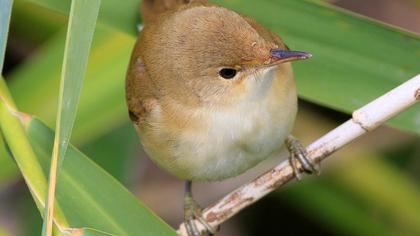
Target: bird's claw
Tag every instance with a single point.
(298, 153)
(192, 212)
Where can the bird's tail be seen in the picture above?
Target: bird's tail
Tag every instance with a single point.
(151, 9)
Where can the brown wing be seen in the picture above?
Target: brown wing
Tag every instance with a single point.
(140, 92)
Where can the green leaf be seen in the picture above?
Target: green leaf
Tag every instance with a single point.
(89, 196)
(79, 38)
(102, 104)
(371, 177)
(8, 169)
(366, 189)
(80, 31)
(102, 107)
(5, 11)
(21, 149)
(43, 22)
(114, 151)
(89, 200)
(122, 15)
(355, 59)
(337, 211)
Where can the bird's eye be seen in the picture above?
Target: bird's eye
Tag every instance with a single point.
(227, 73)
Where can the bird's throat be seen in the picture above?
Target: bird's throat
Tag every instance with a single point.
(258, 84)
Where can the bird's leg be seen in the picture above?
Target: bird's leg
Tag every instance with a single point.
(298, 153)
(192, 211)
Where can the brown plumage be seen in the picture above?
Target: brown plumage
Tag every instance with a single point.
(192, 121)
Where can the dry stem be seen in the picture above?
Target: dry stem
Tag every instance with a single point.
(363, 120)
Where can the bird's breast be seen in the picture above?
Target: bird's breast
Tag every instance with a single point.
(225, 142)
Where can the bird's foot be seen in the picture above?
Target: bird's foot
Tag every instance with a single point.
(298, 153)
(193, 212)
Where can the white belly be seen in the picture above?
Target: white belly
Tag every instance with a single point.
(235, 139)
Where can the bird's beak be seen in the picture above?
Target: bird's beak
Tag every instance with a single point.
(279, 56)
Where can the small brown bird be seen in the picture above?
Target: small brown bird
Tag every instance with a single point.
(211, 93)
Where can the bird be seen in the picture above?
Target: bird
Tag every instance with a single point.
(211, 93)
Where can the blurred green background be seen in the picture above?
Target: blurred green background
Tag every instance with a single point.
(371, 187)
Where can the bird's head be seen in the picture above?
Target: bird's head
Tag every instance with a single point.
(211, 55)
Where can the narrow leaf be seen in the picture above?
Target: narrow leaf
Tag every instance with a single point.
(89, 200)
(8, 171)
(7, 167)
(5, 12)
(79, 39)
(80, 31)
(90, 197)
(15, 137)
